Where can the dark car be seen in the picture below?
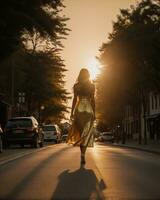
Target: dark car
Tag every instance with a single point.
(23, 130)
(1, 144)
(64, 137)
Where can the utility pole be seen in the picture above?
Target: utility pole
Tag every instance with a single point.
(12, 87)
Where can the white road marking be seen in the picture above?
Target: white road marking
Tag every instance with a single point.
(20, 155)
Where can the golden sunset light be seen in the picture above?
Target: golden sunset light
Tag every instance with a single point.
(94, 68)
(89, 29)
(80, 99)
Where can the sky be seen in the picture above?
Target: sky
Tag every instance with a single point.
(90, 23)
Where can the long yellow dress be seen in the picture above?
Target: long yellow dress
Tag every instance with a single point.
(81, 128)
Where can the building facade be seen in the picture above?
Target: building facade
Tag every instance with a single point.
(138, 122)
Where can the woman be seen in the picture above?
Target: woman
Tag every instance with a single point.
(82, 113)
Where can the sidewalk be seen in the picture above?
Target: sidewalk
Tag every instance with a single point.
(150, 147)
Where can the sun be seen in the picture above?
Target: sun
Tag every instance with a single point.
(94, 68)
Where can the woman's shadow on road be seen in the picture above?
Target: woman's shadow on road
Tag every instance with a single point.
(80, 185)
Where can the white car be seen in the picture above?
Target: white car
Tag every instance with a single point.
(51, 132)
(106, 137)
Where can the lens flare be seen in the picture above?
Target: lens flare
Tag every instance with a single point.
(94, 68)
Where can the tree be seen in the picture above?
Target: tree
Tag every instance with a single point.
(48, 86)
(17, 16)
(31, 37)
(131, 61)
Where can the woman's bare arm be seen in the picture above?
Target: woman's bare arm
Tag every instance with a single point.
(93, 102)
(74, 102)
(93, 105)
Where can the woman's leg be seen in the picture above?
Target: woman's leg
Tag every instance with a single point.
(83, 126)
(83, 151)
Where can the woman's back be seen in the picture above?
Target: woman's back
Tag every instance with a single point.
(84, 89)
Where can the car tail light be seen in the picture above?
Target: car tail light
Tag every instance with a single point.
(6, 129)
(30, 129)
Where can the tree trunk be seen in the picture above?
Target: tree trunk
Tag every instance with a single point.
(144, 103)
(145, 131)
(139, 125)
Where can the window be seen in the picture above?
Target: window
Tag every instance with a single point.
(19, 123)
(48, 128)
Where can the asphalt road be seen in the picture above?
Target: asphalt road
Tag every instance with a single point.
(54, 172)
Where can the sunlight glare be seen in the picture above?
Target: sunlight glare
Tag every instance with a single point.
(94, 68)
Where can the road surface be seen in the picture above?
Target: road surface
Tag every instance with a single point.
(54, 172)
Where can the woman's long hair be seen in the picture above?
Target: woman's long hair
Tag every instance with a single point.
(84, 85)
(83, 76)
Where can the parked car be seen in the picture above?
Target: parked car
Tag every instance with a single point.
(51, 133)
(106, 137)
(1, 143)
(64, 137)
(23, 130)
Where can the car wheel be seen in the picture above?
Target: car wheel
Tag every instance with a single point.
(41, 143)
(5, 145)
(36, 142)
(1, 145)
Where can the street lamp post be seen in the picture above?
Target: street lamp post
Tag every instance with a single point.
(12, 88)
(21, 101)
(42, 107)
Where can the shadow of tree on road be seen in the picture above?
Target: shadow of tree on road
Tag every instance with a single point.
(81, 184)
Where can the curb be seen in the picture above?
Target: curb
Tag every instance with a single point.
(154, 151)
(137, 148)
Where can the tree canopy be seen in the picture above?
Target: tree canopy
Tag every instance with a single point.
(17, 16)
(30, 58)
(130, 58)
